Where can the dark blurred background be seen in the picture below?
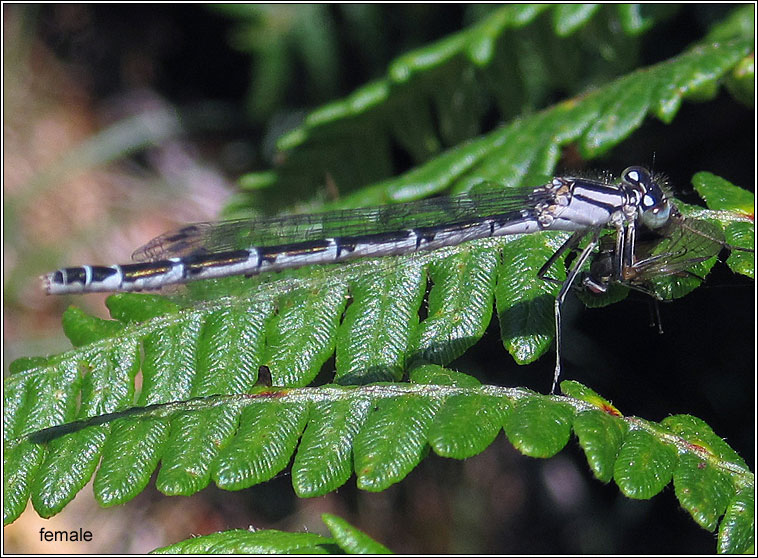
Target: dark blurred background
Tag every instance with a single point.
(122, 121)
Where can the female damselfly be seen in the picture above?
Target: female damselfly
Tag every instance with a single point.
(585, 207)
(245, 247)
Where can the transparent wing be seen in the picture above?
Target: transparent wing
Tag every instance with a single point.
(686, 243)
(245, 233)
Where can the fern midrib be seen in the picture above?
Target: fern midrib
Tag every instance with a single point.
(741, 475)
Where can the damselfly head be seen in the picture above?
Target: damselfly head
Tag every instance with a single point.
(654, 207)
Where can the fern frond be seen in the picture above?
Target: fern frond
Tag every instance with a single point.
(385, 429)
(176, 381)
(553, 47)
(201, 347)
(242, 541)
(346, 539)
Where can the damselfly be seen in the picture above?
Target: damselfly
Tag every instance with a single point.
(208, 250)
(582, 206)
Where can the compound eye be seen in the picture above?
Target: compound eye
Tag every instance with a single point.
(637, 176)
(655, 215)
(655, 209)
